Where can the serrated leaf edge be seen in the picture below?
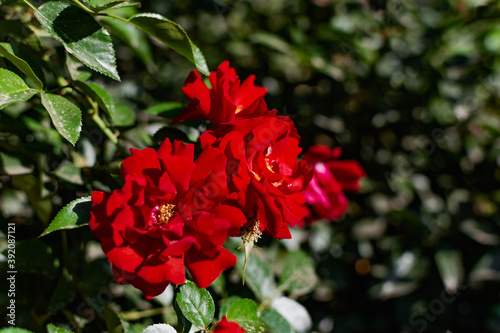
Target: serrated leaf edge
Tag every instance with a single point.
(114, 76)
(74, 202)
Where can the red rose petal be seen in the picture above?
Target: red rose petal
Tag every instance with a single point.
(205, 267)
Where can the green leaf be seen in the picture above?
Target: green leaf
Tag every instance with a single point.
(226, 304)
(163, 107)
(8, 52)
(131, 36)
(13, 165)
(70, 173)
(196, 305)
(244, 312)
(99, 5)
(99, 95)
(80, 35)
(113, 322)
(14, 330)
(184, 324)
(172, 35)
(258, 276)
(66, 116)
(449, 263)
(275, 322)
(76, 69)
(73, 215)
(299, 275)
(51, 328)
(13, 89)
(123, 115)
(33, 188)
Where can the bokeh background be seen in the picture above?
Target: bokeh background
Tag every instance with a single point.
(409, 88)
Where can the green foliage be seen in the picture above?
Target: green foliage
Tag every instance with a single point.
(407, 88)
(51, 328)
(275, 321)
(66, 116)
(98, 95)
(76, 214)
(8, 52)
(244, 312)
(298, 274)
(172, 35)
(80, 35)
(13, 89)
(258, 276)
(196, 305)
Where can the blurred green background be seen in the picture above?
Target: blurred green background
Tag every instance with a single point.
(409, 88)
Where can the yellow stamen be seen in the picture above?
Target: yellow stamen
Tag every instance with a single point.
(163, 213)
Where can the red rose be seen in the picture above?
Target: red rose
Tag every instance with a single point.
(226, 326)
(166, 217)
(331, 177)
(227, 100)
(265, 178)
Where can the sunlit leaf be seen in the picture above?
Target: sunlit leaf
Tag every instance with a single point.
(275, 321)
(196, 304)
(80, 34)
(244, 312)
(13, 89)
(298, 274)
(73, 215)
(66, 116)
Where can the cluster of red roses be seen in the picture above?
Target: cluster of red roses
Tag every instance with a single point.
(175, 212)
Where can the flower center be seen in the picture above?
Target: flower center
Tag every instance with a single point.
(163, 213)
